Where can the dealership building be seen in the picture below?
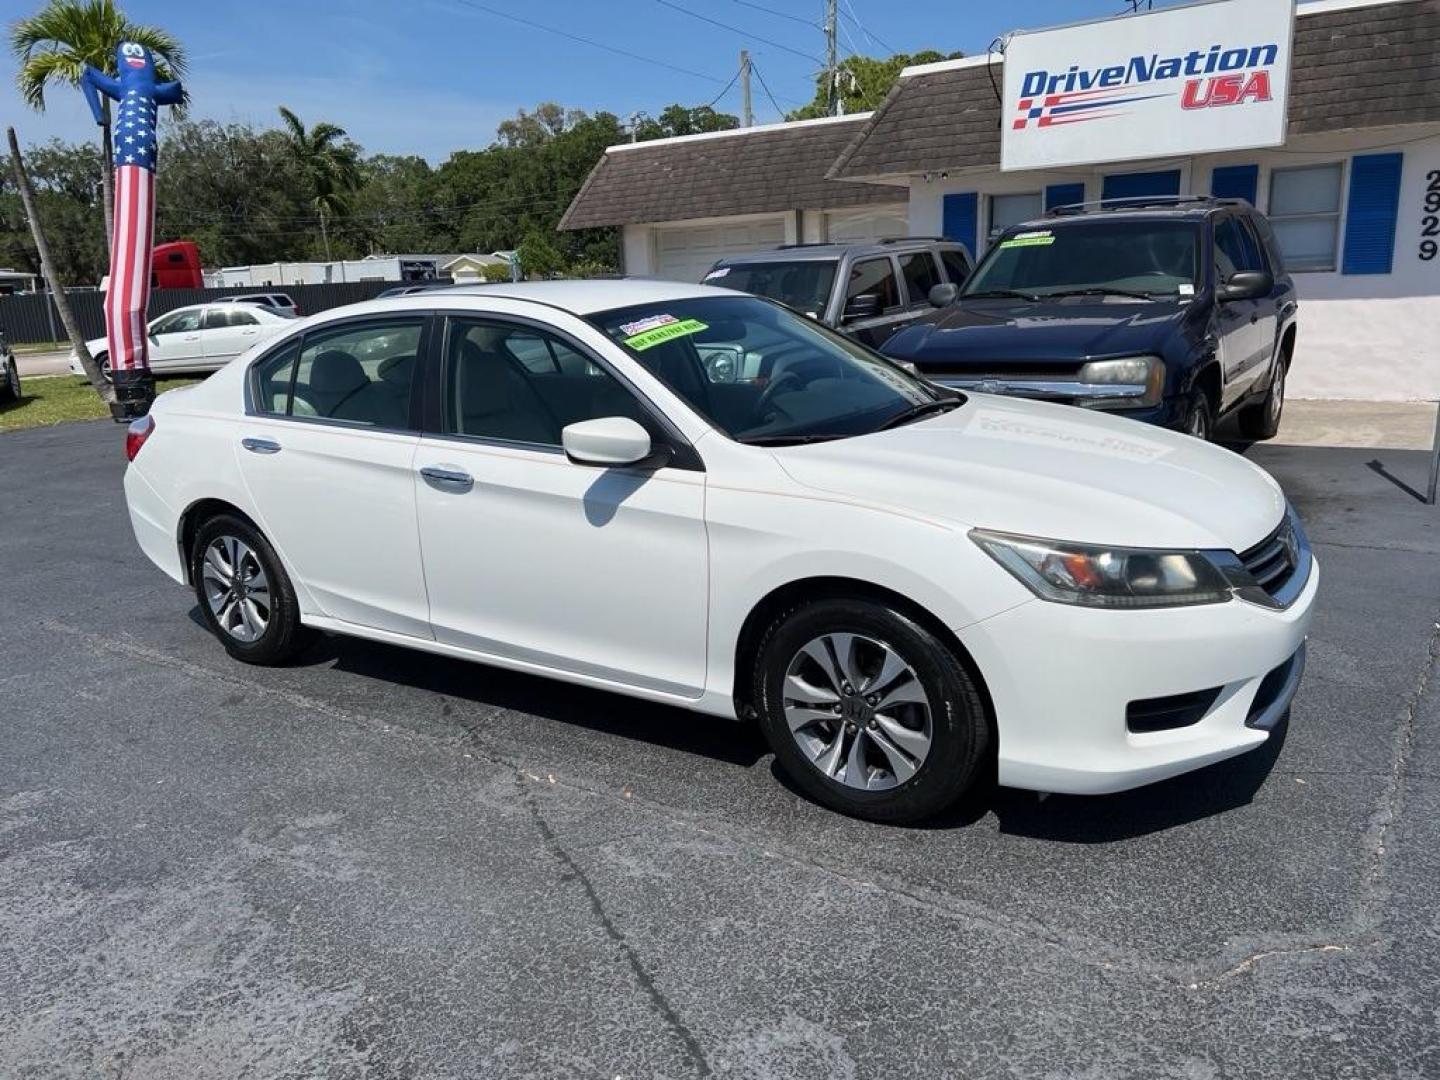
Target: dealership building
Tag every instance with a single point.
(1337, 140)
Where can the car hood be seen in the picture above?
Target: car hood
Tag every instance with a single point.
(1000, 331)
(1052, 471)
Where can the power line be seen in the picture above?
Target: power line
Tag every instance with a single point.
(711, 103)
(586, 41)
(779, 14)
(766, 87)
(737, 30)
(854, 18)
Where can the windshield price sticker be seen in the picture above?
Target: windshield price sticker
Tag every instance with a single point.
(717, 273)
(659, 329)
(1029, 239)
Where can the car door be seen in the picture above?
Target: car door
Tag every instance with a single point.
(874, 278)
(235, 329)
(175, 339)
(1267, 308)
(327, 451)
(1237, 321)
(597, 572)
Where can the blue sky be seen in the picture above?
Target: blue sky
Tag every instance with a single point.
(430, 76)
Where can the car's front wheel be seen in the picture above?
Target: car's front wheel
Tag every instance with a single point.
(245, 595)
(1199, 416)
(868, 711)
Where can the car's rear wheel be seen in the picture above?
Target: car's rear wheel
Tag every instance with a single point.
(10, 382)
(868, 712)
(1199, 416)
(245, 595)
(1262, 420)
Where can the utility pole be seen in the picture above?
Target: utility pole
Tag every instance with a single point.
(832, 68)
(747, 114)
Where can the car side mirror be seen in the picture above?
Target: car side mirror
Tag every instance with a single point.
(865, 306)
(1247, 285)
(609, 441)
(944, 295)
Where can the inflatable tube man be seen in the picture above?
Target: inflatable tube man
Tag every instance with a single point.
(138, 97)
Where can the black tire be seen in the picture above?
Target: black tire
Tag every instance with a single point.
(959, 731)
(1199, 416)
(1262, 420)
(282, 636)
(10, 381)
(102, 361)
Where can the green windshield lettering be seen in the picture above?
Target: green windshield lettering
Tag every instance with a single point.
(668, 332)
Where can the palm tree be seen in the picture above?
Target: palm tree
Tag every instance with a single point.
(328, 162)
(54, 45)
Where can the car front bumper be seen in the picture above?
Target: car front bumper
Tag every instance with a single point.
(1061, 678)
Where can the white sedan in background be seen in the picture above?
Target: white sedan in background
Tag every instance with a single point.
(906, 586)
(201, 337)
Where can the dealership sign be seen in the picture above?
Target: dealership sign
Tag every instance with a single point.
(1188, 80)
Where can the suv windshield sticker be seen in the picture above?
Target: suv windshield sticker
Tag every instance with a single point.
(717, 273)
(662, 328)
(1029, 239)
(639, 326)
(1185, 289)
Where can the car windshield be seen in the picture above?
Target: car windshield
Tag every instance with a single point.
(802, 284)
(763, 374)
(1149, 257)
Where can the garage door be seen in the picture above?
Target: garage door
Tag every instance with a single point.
(863, 226)
(686, 254)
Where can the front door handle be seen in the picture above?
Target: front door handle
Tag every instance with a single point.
(447, 477)
(261, 446)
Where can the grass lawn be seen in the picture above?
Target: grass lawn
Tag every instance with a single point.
(58, 399)
(40, 346)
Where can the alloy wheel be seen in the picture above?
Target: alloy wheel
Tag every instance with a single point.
(858, 711)
(1277, 395)
(236, 588)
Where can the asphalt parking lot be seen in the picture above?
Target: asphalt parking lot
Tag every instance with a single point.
(377, 863)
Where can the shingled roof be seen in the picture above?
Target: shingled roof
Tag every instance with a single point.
(752, 171)
(1360, 67)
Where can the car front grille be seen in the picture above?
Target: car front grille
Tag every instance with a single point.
(1273, 561)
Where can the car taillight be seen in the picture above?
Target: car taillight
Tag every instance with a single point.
(136, 434)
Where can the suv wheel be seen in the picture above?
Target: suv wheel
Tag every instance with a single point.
(868, 712)
(245, 595)
(1199, 416)
(1262, 420)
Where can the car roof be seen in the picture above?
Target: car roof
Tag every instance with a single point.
(579, 297)
(1156, 208)
(819, 252)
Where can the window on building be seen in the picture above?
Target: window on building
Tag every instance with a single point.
(1007, 210)
(1305, 214)
(921, 275)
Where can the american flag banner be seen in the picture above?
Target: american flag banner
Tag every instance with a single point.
(128, 298)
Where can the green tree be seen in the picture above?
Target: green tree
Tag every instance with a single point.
(56, 43)
(329, 164)
(864, 82)
(682, 120)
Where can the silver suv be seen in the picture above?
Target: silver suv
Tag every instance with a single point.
(866, 291)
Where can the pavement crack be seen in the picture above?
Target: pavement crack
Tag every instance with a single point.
(1256, 958)
(643, 977)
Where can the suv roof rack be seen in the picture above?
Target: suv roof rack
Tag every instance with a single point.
(905, 239)
(808, 243)
(1137, 202)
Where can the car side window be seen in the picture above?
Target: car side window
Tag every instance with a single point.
(874, 277)
(238, 316)
(362, 374)
(921, 275)
(496, 388)
(181, 322)
(957, 266)
(1269, 243)
(1230, 255)
(274, 377)
(1258, 257)
(215, 318)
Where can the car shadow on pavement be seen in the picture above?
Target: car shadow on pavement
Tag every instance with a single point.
(1104, 819)
(498, 688)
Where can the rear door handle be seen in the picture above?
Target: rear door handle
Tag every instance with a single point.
(261, 446)
(447, 477)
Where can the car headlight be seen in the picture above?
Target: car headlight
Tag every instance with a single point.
(1106, 577)
(1137, 381)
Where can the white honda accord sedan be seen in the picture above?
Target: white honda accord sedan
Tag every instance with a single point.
(905, 586)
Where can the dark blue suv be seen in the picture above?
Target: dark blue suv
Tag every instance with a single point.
(1176, 312)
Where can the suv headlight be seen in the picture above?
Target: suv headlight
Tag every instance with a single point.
(1138, 381)
(1106, 577)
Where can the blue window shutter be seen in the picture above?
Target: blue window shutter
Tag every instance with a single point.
(1063, 195)
(1235, 182)
(961, 220)
(1370, 217)
(1141, 185)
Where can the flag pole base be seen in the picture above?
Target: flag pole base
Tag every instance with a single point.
(134, 393)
